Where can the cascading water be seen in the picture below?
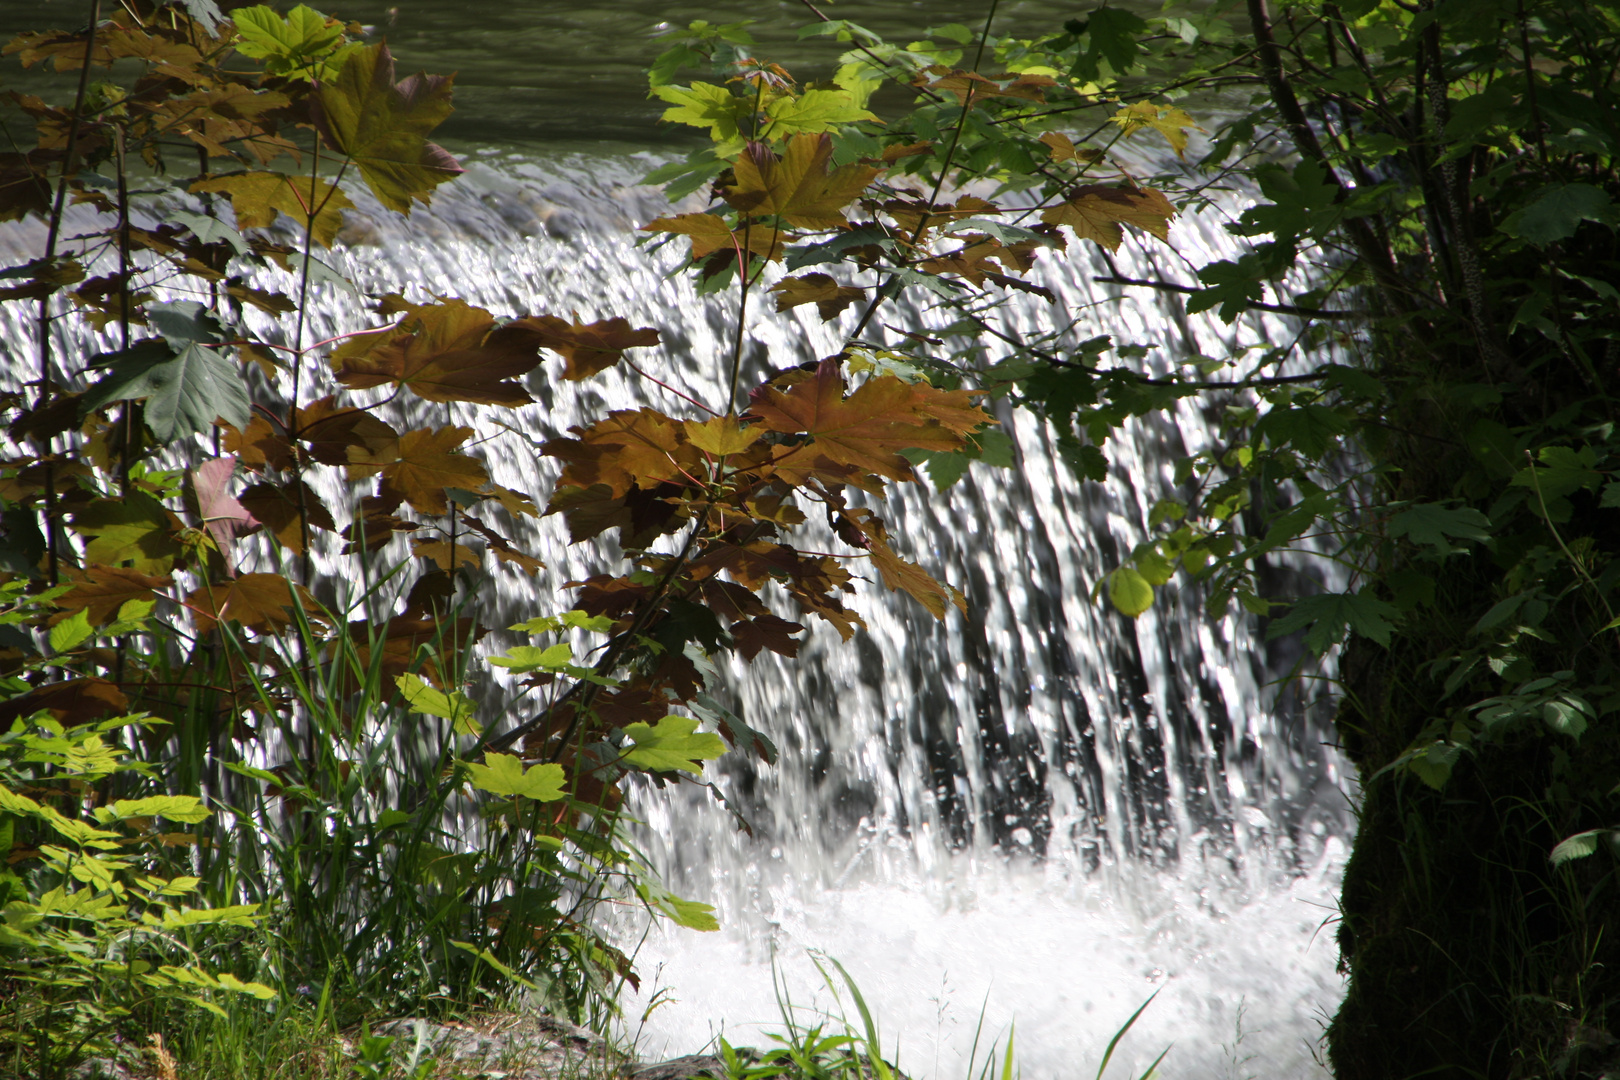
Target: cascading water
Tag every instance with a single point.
(1042, 806)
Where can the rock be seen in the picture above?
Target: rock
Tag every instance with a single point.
(526, 1047)
(681, 1068)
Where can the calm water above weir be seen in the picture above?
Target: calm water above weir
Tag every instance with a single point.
(1042, 802)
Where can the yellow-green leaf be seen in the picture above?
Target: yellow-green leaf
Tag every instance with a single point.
(722, 435)
(455, 706)
(382, 126)
(257, 197)
(674, 744)
(1129, 591)
(503, 774)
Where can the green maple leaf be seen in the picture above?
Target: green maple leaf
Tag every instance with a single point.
(382, 126)
(1326, 619)
(707, 105)
(303, 43)
(675, 743)
(185, 391)
(420, 697)
(813, 112)
(1433, 525)
(527, 658)
(136, 529)
(503, 774)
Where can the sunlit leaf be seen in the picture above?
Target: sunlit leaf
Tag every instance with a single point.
(673, 744)
(1095, 212)
(797, 186)
(504, 774)
(259, 197)
(381, 126)
(422, 697)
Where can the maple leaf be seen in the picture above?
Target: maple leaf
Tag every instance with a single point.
(260, 602)
(813, 112)
(381, 126)
(450, 351)
(99, 591)
(626, 449)
(868, 429)
(222, 515)
(258, 445)
(421, 697)
(186, 386)
(585, 348)
(1169, 121)
(420, 466)
(449, 556)
(1095, 212)
(766, 632)
(330, 431)
(797, 186)
(277, 507)
(707, 105)
(899, 575)
(501, 546)
(819, 289)
(674, 743)
(504, 774)
(25, 184)
(258, 197)
(721, 436)
(136, 529)
(710, 233)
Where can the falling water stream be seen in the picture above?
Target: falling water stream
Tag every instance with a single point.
(1042, 810)
(1038, 814)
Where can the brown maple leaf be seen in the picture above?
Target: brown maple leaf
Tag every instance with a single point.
(710, 233)
(1095, 212)
(449, 351)
(421, 466)
(819, 289)
(628, 448)
(868, 429)
(279, 508)
(258, 197)
(260, 602)
(259, 445)
(766, 632)
(797, 186)
(99, 591)
(585, 348)
(331, 429)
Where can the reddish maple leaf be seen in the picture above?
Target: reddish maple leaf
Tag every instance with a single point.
(222, 515)
(766, 632)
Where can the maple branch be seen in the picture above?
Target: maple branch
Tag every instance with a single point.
(1253, 305)
(658, 382)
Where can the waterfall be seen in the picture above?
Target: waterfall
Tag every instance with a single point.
(1041, 806)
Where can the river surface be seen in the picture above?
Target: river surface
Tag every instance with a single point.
(1038, 815)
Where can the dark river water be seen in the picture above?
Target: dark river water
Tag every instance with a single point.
(542, 75)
